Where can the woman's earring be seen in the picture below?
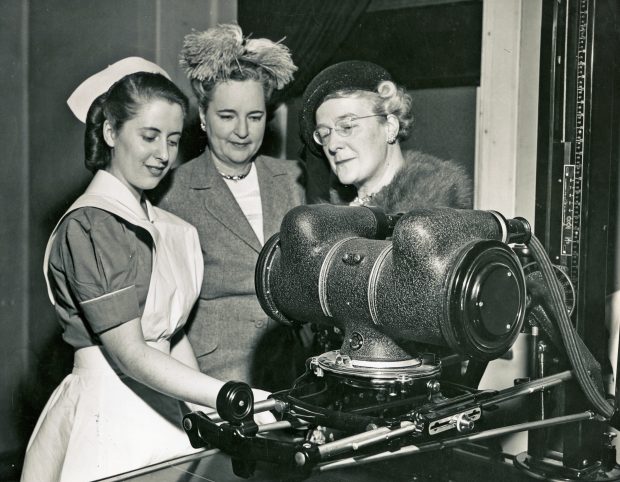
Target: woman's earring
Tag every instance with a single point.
(203, 126)
(391, 139)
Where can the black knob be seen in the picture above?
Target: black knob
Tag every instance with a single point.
(235, 402)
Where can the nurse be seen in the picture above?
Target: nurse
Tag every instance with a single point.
(123, 276)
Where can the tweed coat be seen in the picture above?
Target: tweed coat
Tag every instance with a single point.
(232, 337)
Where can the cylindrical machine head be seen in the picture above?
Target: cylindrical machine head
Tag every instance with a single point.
(446, 277)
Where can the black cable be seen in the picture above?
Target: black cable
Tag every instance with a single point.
(574, 349)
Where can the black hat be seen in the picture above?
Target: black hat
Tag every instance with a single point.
(350, 74)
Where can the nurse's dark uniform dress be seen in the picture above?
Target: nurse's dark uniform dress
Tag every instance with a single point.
(108, 262)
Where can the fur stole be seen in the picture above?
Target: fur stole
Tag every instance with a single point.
(424, 181)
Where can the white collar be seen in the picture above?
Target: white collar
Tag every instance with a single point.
(108, 185)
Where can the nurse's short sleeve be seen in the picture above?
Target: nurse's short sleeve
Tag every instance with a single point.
(100, 263)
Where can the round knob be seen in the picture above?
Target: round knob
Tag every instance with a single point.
(235, 402)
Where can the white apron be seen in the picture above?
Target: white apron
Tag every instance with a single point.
(98, 423)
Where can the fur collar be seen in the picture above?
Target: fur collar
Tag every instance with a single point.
(424, 181)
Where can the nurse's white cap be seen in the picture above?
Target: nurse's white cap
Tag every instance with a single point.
(81, 99)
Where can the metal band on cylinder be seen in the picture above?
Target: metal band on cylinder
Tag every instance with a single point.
(323, 274)
(502, 222)
(372, 283)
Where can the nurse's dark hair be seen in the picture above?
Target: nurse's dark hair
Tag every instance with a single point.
(120, 104)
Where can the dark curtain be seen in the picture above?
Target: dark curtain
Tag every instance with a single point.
(312, 29)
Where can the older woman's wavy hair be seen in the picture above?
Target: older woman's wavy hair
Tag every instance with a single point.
(388, 98)
(222, 53)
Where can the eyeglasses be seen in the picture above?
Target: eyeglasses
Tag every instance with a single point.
(343, 127)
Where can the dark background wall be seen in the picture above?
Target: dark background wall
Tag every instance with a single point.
(13, 221)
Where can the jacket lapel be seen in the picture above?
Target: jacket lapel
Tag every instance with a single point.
(220, 202)
(274, 206)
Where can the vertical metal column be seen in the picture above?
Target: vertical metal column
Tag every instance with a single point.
(576, 174)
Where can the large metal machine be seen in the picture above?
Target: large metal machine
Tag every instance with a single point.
(412, 294)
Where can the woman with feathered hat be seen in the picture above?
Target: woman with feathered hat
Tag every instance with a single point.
(236, 198)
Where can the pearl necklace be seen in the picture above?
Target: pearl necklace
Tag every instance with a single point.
(362, 200)
(237, 177)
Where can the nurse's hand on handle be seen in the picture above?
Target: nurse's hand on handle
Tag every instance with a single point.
(261, 418)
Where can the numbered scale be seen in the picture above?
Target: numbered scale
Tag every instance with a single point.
(572, 182)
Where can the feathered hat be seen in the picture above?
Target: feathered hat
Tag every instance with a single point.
(214, 54)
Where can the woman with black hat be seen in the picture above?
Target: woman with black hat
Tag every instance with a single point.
(356, 116)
